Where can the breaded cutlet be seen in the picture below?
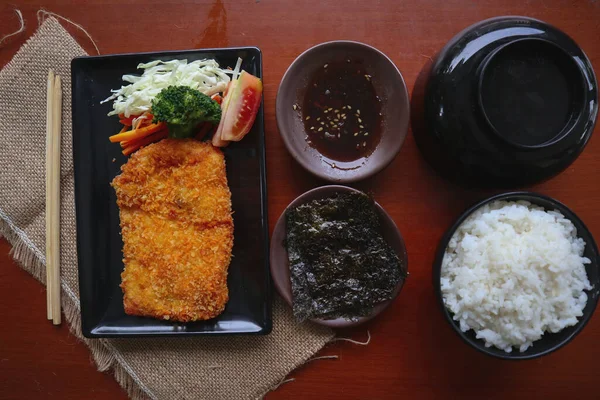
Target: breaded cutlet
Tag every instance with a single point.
(177, 230)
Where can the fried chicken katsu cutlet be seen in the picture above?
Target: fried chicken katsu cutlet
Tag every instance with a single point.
(177, 230)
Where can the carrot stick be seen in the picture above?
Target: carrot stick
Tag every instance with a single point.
(217, 98)
(124, 129)
(137, 133)
(136, 144)
(127, 143)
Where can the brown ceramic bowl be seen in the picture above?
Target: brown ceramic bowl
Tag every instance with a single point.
(389, 86)
(280, 268)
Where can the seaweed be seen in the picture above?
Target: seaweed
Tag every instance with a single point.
(340, 264)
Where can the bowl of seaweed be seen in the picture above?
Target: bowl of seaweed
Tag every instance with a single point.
(337, 257)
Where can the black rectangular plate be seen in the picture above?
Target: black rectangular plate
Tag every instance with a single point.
(99, 244)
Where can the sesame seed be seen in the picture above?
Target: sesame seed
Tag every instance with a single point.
(344, 107)
(322, 123)
(355, 133)
(312, 128)
(336, 120)
(358, 112)
(319, 118)
(368, 77)
(295, 107)
(333, 165)
(307, 118)
(359, 120)
(364, 144)
(325, 66)
(349, 108)
(336, 111)
(329, 109)
(320, 129)
(366, 133)
(326, 111)
(362, 127)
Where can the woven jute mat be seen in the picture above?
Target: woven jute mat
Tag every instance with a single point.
(157, 368)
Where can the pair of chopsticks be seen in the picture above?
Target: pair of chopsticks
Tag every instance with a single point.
(53, 127)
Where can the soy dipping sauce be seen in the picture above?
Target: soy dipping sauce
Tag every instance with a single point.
(342, 112)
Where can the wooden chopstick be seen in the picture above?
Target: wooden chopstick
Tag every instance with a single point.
(49, 191)
(53, 141)
(57, 123)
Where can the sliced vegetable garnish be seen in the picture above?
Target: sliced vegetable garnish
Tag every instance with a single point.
(136, 98)
(137, 133)
(145, 141)
(177, 99)
(243, 102)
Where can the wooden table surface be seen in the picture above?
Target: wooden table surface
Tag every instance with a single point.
(413, 353)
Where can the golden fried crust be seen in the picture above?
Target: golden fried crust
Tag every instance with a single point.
(177, 229)
(177, 179)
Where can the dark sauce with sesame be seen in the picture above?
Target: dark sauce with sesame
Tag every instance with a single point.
(342, 112)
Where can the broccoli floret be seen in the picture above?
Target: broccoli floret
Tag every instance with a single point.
(183, 108)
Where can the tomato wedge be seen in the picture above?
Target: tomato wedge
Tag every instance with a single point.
(241, 102)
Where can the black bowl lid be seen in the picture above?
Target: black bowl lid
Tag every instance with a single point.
(531, 92)
(508, 102)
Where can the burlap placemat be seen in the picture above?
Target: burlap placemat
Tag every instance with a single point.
(173, 368)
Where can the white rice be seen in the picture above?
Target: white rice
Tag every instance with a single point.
(513, 271)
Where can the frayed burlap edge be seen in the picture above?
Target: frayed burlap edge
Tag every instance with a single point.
(104, 358)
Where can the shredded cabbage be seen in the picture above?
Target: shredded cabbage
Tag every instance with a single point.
(136, 98)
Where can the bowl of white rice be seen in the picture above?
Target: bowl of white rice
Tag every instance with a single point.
(517, 275)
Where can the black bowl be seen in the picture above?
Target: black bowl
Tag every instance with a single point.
(550, 341)
(508, 102)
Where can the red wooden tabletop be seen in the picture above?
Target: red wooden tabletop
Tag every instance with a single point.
(413, 353)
